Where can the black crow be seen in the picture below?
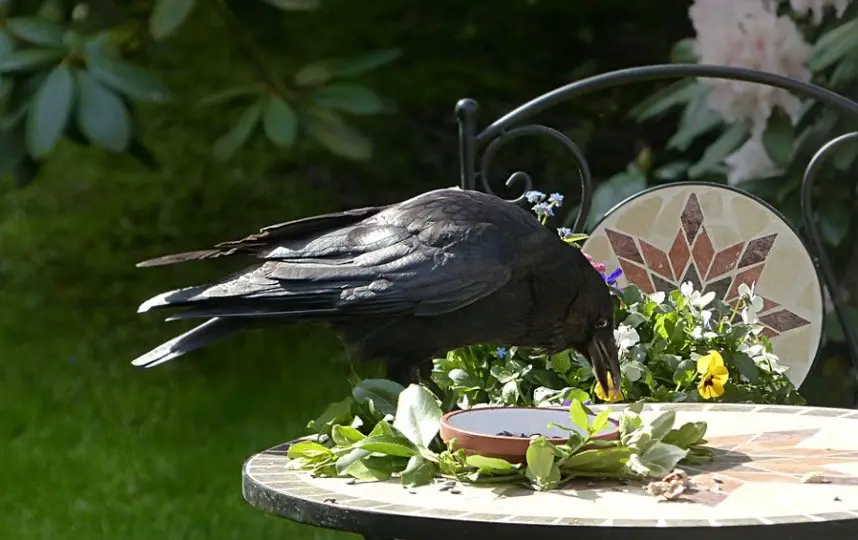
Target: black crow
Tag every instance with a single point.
(407, 282)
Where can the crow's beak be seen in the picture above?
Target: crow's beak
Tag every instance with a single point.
(602, 352)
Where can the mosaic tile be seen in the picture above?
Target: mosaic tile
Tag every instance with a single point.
(757, 250)
(725, 260)
(624, 246)
(702, 251)
(718, 253)
(679, 254)
(691, 218)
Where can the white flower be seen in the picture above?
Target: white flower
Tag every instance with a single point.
(817, 7)
(749, 162)
(749, 34)
(626, 337)
(695, 298)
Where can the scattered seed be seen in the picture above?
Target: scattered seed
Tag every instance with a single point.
(455, 491)
(445, 488)
(330, 500)
(837, 499)
(351, 481)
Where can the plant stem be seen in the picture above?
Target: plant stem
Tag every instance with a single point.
(254, 53)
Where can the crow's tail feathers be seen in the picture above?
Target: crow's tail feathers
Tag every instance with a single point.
(195, 338)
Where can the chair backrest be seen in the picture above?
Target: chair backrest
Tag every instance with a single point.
(717, 238)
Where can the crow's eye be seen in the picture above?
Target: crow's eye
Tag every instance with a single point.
(601, 323)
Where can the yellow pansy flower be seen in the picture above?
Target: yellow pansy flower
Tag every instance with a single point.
(614, 396)
(713, 375)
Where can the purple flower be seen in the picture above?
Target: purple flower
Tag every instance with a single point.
(612, 278)
(501, 352)
(534, 196)
(556, 199)
(543, 209)
(564, 232)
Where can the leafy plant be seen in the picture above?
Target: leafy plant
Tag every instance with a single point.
(669, 344)
(354, 442)
(69, 73)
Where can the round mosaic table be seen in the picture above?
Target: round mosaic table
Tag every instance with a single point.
(780, 472)
(719, 238)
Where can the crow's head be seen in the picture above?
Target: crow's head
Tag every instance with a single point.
(590, 324)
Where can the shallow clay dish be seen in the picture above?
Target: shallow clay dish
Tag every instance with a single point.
(476, 430)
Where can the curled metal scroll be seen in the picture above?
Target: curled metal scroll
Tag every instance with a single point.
(521, 176)
(820, 259)
(470, 143)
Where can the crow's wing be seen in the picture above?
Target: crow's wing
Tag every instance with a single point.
(394, 264)
(268, 236)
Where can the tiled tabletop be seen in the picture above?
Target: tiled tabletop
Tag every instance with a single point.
(718, 238)
(777, 470)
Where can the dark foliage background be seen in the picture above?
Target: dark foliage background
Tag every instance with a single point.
(92, 448)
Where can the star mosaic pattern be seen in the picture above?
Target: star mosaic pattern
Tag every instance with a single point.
(692, 257)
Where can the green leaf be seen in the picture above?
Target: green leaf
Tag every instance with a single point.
(682, 52)
(666, 98)
(279, 122)
(418, 415)
(542, 469)
(345, 435)
(294, 5)
(229, 143)
(659, 460)
(6, 44)
(36, 30)
(49, 112)
(578, 415)
(390, 445)
(29, 60)
(322, 71)
(363, 473)
(308, 450)
(598, 460)
(697, 119)
(133, 81)
(671, 171)
(600, 421)
(615, 190)
(349, 98)
(230, 94)
(779, 138)
(382, 392)
(168, 15)
(489, 465)
(101, 114)
(662, 425)
(335, 135)
(834, 45)
(313, 74)
(686, 435)
(382, 428)
(834, 224)
(729, 141)
(418, 472)
(367, 62)
(338, 412)
(746, 366)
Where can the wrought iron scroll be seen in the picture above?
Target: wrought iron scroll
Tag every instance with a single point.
(506, 128)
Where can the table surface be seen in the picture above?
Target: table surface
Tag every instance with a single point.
(754, 485)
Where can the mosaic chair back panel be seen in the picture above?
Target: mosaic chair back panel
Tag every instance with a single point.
(719, 238)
